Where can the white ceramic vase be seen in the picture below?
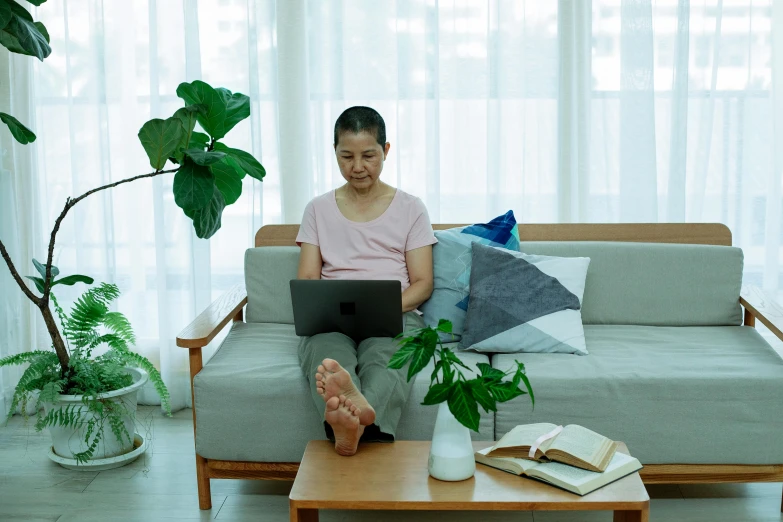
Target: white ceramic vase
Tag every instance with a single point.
(451, 452)
(69, 440)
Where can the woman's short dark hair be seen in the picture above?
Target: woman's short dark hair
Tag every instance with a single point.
(358, 119)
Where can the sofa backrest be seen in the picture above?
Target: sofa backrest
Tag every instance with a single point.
(268, 271)
(627, 283)
(655, 284)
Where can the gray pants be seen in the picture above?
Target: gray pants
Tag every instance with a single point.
(386, 390)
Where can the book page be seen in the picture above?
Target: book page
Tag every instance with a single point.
(525, 435)
(566, 473)
(582, 481)
(512, 465)
(580, 442)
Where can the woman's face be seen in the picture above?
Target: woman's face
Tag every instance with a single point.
(360, 158)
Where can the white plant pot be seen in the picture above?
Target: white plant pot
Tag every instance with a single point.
(32, 405)
(451, 452)
(66, 441)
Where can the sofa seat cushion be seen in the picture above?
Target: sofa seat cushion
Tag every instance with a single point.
(688, 395)
(253, 402)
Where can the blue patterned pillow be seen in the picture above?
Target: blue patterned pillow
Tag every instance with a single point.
(452, 257)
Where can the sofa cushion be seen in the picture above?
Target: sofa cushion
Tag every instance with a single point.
(525, 303)
(451, 259)
(253, 403)
(268, 271)
(689, 395)
(655, 284)
(627, 283)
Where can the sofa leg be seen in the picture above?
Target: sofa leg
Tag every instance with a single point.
(202, 477)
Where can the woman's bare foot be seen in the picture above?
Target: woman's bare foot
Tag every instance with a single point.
(343, 416)
(332, 380)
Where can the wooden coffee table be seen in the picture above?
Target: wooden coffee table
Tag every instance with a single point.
(394, 477)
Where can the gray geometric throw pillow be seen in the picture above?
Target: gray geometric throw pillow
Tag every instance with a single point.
(525, 303)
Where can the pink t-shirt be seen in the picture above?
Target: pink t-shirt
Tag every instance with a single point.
(372, 250)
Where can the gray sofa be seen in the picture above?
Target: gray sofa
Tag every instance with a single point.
(696, 395)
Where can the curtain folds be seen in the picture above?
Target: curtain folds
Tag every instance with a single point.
(19, 219)
(568, 111)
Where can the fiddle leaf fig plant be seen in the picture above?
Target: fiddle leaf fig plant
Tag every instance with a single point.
(207, 173)
(207, 177)
(448, 383)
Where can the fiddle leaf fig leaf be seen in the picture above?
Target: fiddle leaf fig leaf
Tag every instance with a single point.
(21, 133)
(160, 139)
(187, 116)
(223, 109)
(237, 107)
(193, 186)
(204, 158)
(246, 161)
(228, 182)
(207, 220)
(21, 34)
(198, 140)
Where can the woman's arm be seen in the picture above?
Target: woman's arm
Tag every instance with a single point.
(419, 261)
(310, 262)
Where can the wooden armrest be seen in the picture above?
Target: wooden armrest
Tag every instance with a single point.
(763, 307)
(206, 326)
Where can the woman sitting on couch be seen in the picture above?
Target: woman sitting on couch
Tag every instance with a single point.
(365, 229)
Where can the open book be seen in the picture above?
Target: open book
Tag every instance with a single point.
(572, 479)
(574, 445)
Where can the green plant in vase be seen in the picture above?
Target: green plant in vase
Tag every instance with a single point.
(448, 383)
(459, 397)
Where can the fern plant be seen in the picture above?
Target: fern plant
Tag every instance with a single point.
(89, 325)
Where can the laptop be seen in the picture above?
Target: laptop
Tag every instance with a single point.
(358, 309)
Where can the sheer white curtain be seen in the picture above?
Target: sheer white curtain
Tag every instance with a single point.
(610, 111)
(19, 220)
(114, 66)
(682, 127)
(615, 110)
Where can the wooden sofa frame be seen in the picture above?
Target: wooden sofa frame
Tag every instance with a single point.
(757, 305)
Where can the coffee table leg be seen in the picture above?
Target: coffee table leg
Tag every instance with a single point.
(632, 516)
(303, 515)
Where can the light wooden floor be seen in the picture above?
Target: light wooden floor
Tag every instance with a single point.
(163, 487)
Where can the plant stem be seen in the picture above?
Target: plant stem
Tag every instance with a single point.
(43, 302)
(69, 204)
(437, 352)
(31, 296)
(57, 339)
